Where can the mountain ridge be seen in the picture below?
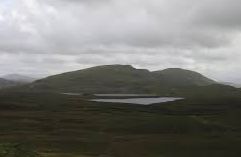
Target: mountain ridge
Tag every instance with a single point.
(120, 79)
(123, 79)
(184, 77)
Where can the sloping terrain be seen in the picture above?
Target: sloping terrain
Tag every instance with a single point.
(182, 77)
(120, 79)
(59, 125)
(205, 123)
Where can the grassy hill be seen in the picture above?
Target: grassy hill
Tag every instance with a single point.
(37, 118)
(121, 79)
(182, 77)
(114, 78)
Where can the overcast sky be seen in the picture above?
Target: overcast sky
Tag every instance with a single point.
(44, 37)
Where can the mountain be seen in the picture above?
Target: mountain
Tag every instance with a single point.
(7, 83)
(182, 77)
(121, 79)
(19, 78)
(100, 79)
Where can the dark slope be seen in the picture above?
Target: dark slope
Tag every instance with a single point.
(109, 78)
(120, 79)
(182, 77)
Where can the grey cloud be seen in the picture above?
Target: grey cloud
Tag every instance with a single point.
(223, 14)
(55, 29)
(64, 3)
(72, 34)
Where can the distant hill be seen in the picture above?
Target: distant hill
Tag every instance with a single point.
(232, 84)
(19, 78)
(121, 79)
(7, 83)
(101, 79)
(182, 77)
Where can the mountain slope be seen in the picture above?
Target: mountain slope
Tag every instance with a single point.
(109, 78)
(182, 77)
(120, 79)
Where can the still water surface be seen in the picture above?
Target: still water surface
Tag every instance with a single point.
(124, 95)
(140, 101)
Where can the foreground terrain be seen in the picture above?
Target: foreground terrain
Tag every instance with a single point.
(56, 125)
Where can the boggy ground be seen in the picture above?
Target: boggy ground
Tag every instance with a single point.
(57, 125)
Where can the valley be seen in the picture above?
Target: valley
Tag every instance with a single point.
(53, 122)
(58, 125)
(120, 78)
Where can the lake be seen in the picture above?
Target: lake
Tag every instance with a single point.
(140, 101)
(113, 95)
(124, 95)
(74, 94)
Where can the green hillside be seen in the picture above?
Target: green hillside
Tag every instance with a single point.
(120, 79)
(41, 120)
(182, 77)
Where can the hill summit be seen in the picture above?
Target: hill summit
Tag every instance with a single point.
(120, 79)
(182, 77)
